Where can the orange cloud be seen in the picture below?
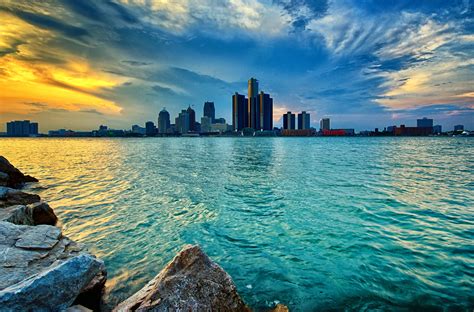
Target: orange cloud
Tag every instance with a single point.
(72, 86)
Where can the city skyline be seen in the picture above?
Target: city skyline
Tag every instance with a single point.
(369, 64)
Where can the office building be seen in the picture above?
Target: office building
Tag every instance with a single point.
(437, 129)
(424, 123)
(252, 103)
(22, 128)
(206, 124)
(192, 119)
(303, 121)
(209, 111)
(239, 112)
(150, 129)
(289, 121)
(182, 122)
(264, 120)
(163, 121)
(325, 124)
(136, 129)
(458, 128)
(219, 120)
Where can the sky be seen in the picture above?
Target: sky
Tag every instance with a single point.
(363, 63)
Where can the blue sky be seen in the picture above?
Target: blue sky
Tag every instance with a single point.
(365, 64)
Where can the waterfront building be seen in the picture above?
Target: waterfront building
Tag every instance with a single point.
(163, 121)
(219, 127)
(209, 111)
(412, 131)
(252, 103)
(424, 123)
(239, 112)
(150, 129)
(136, 129)
(299, 132)
(437, 129)
(458, 128)
(206, 124)
(264, 120)
(303, 121)
(182, 122)
(289, 121)
(22, 128)
(325, 124)
(219, 120)
(192, 119)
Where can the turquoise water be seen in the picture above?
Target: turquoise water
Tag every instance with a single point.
(314, 223)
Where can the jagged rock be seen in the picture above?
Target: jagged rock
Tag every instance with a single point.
(11, 176)
(30, 257)
(190, 282)
(33, 214)
(11, 197)
(54, 289)
(280, 308)
(91, 295)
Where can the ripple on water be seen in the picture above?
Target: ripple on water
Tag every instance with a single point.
(316, 223)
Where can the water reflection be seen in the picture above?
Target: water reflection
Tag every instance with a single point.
(351, 223)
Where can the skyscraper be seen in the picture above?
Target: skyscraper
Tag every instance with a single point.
(183, 122)
(252, 103)
(150, 129)
(265, 112)
(239, 112)
(192, 119)
(303, 120)
(209, 110)
(22, 128)
(424, 123)
(325, 124)
(163, 121)
(289, 121)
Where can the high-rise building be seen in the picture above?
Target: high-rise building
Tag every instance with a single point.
(239, 112)
(182, 122)
(22, 128)
(424, 123)
(206, 124)
(192, 119)
(325, 124)
(437, 129)
(150, 129)
(289, 121)
(303, 121)
(265, 112)
(458, 128)
(252, 103)
(209, 110)
(163, 121)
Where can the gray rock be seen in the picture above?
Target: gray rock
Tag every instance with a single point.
(27, 252)
(190, 282)
(39, 237)
(11, 197)
(78, 308)
(54, 289)
(14, 177)
(33, 214)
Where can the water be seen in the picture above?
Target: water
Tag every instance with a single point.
(315, 223)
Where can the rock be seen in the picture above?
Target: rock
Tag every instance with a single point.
(91, 295)
(280, 308)
(33, 214)
(54, 289)
(30, 256)
(11, 197)
(11, 176)
(78, 308)
(190, 282)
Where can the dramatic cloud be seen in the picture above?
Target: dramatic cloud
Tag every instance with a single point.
(363, 63)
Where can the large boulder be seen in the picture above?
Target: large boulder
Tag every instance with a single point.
(42, 270)
(33, 214)
(11, 176)
(11, 197)
(190, 282)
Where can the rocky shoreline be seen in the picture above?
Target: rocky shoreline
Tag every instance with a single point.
(43, 270)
